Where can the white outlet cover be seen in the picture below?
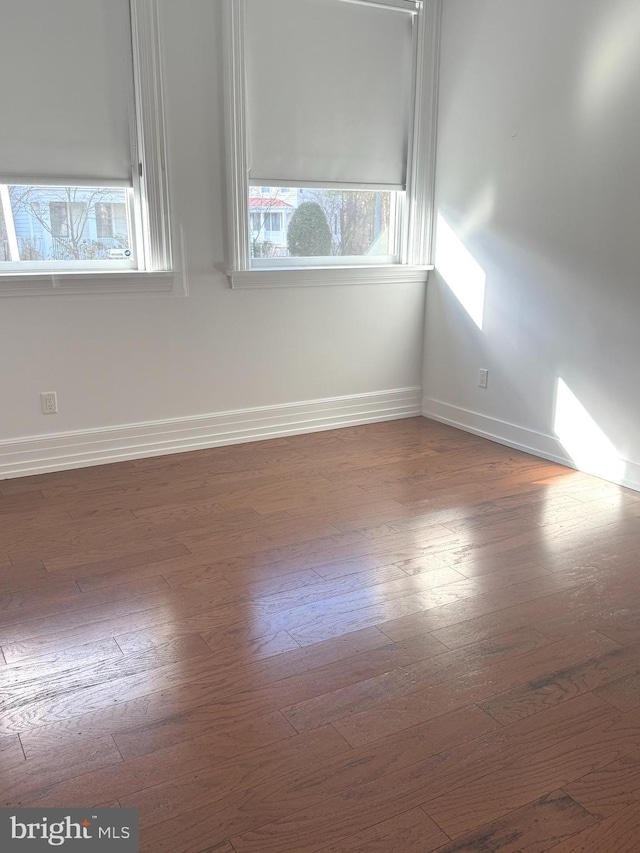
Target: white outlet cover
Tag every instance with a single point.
(49, 402)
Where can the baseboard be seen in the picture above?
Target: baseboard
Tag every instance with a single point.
(520, 438)
(61, 451)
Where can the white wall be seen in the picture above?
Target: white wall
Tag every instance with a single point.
(538, 175)
(124, 360)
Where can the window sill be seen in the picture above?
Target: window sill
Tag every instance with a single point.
(326, 276)
(82, 283)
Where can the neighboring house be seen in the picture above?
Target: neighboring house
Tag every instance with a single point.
(69, 223)
(269, 218)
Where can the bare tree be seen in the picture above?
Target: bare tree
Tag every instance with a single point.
(356, 217)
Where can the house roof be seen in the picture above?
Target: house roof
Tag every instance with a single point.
(268, 202)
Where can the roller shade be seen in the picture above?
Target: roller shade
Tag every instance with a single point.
(329, 89)
(66, 93)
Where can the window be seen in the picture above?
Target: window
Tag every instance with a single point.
(273, 221)
(344, 138)
(82, 179)
(111, 219)
(68, 219)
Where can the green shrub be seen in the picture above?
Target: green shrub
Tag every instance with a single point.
(308, 233)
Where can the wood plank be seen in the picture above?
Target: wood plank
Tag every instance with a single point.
(609, 789)
(229, 741)
(25, 598)
(106, 670)
(10, 752)
(266, 742)
(53, 600)
(480, 605)
(411, 832)
(80, 690)
(175, 565)
(30, 672)
(561, 685)
(268, 765)
(617, 834)
(501, 791)
(624, 692)
(77, 568)
(409, 678)
(54, 768)
(370, 720)
(538, 826)
(23, 575)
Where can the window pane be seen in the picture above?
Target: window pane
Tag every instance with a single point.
(300, 222)
(111, 219)
(104, 220)
(69, 224)
(58, 218)
(273, 221)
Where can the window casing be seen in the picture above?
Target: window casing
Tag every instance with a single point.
(410, 251)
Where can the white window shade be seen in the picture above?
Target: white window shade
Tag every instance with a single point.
(66, 93)
(329, 93)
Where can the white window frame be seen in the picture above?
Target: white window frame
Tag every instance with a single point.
(416, 241)
(153, 228)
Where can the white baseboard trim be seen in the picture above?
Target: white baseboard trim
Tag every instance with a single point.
(61, 451)
(520, 438)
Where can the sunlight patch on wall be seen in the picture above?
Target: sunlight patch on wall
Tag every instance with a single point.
(460, 270)
(582, 438)
(614, 57)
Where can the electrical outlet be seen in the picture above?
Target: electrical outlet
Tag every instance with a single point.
(49, 402)
(483, 378)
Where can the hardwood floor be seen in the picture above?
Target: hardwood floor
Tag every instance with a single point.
(393, 638)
